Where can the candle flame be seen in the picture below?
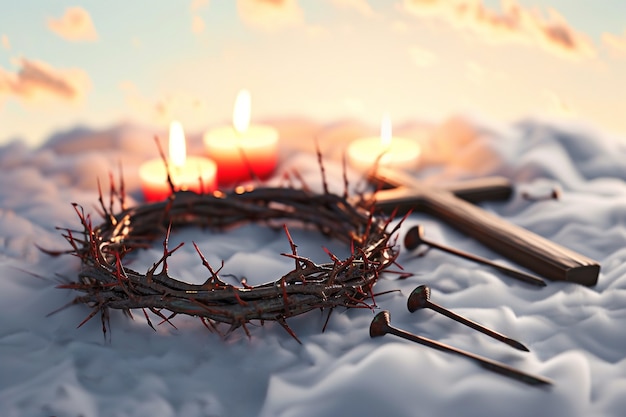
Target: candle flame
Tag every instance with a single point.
(241, 114)
(178, 147)
(385, 131)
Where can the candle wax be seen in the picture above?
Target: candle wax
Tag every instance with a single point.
(400, 153)
(197, 175)
(238, 154)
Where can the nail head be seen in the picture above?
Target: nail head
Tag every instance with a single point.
(380, 324)
(419, 298)
(414, 237)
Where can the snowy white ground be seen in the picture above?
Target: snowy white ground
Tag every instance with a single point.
(575, 333)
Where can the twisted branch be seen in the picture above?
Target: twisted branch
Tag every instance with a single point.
(107, 283)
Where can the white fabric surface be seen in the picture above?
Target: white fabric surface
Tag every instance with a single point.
(575, 333)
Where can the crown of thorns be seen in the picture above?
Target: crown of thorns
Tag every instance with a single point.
(107, 283)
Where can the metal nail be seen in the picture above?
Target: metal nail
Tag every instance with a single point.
(420, 298)
(381, 326)
(415, 237)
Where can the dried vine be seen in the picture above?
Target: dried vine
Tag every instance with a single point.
(107, 283)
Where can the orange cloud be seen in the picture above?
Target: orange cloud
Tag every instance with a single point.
(74, 25)
(513, 24)
(36, 81)
(269, 14)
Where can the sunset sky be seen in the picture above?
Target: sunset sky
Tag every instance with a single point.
(66, 64)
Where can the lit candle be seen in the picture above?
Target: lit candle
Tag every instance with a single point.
(243, 151)
(385, 150)
(188, 173)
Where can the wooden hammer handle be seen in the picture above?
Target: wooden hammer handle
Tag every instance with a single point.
(517, 244)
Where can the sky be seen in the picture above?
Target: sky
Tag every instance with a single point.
(95, 64)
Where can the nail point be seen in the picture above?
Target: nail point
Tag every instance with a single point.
(517, 345)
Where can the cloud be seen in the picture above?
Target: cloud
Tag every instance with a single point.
(5, 42)
(513, 24)
(422, 57)
(360, 6)
(270, 14)
(37, 81)
(615, 44)
(74, 25)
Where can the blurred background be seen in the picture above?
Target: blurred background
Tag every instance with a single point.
(65, 64)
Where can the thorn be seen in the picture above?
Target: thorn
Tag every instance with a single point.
(282, 322)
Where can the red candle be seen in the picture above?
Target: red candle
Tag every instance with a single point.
(243, 151)
(195, 174)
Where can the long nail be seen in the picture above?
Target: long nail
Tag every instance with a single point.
(415, 237)
(381, 326)
(420, 298)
